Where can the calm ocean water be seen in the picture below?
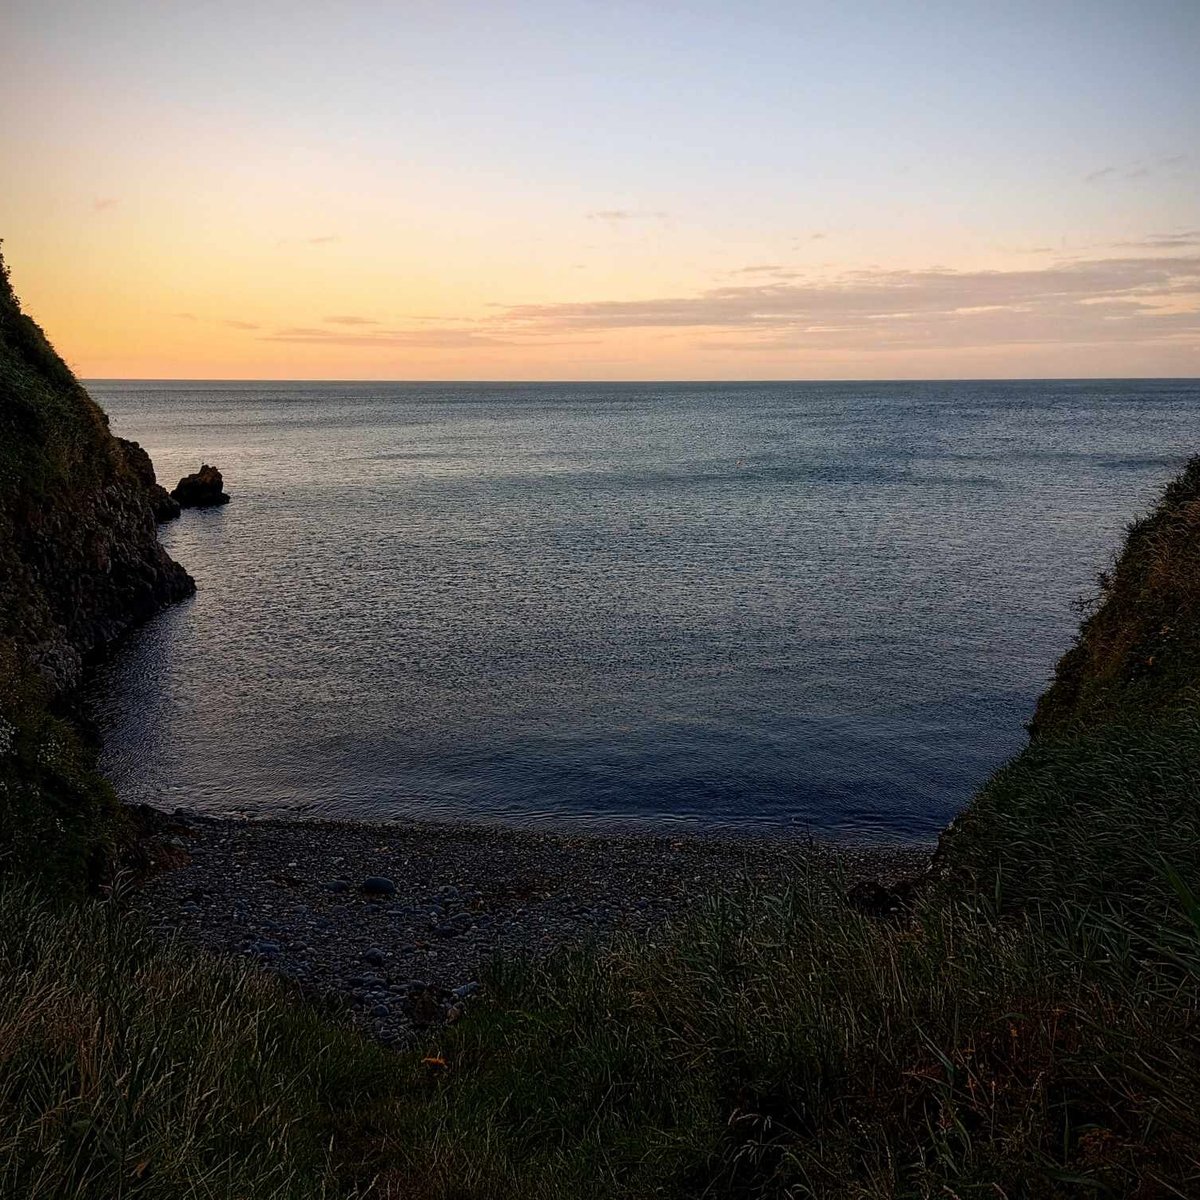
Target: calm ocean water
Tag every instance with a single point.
(759, 606)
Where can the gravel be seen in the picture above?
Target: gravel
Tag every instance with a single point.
(401, 920)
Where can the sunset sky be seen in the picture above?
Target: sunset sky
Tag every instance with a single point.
(558, 190)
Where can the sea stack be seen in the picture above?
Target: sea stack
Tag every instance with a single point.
(204, 489)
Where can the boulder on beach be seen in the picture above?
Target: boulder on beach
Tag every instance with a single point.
(204, 489)
(378, 885)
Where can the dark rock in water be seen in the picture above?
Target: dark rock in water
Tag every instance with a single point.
(378, 885)
(164, 506)
(204, 489)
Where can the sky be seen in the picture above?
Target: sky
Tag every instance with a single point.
(560, 190)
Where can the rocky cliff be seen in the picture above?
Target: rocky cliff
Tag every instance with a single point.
(80, 563)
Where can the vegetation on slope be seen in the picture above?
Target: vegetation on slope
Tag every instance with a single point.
(58, 817)
(1140, 647)
(133, 1068)
(79, 563)
(1103, 806)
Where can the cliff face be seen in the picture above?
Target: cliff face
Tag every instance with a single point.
(79, 556)
(80, 563)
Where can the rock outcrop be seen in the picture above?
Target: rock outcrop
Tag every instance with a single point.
(204, 489)
(80, 563)
(163, 504)
(80, 560)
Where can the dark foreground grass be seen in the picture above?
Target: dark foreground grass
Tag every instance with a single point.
(775, 1045)
(129, 1067)
(788, 1046)
(1106, 818)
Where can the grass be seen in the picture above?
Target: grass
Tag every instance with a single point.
(775, 1045)
(49, 426)
(129, 1067)
(1140, 646)
(1093, 817)
(785, 1046)
(59, 819)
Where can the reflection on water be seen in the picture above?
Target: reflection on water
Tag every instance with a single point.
(823, 606)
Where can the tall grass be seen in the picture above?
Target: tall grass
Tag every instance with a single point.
(787, 1046)
(133, 1068)
(773, 1045)
(1098, 816)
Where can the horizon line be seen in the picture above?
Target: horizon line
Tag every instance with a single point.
(697, 380)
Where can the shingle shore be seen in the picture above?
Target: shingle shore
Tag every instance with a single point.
(444, 900)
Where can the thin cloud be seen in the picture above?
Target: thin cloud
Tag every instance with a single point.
(420, 339)
(1101, 300)
(424, 339)
(323, 239)
(441, 318)
(349, 321)
(1133, 170)
(1183, 240)
(776, 269)
(627, 214)
(103, 203)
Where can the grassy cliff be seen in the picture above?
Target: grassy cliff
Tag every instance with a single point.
(79, 564)
(1139, 647)
(1028, 1027)
(1103, 806)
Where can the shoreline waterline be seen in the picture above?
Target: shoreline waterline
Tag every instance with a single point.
(400, 920)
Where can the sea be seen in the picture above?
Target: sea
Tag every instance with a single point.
(801, 608)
